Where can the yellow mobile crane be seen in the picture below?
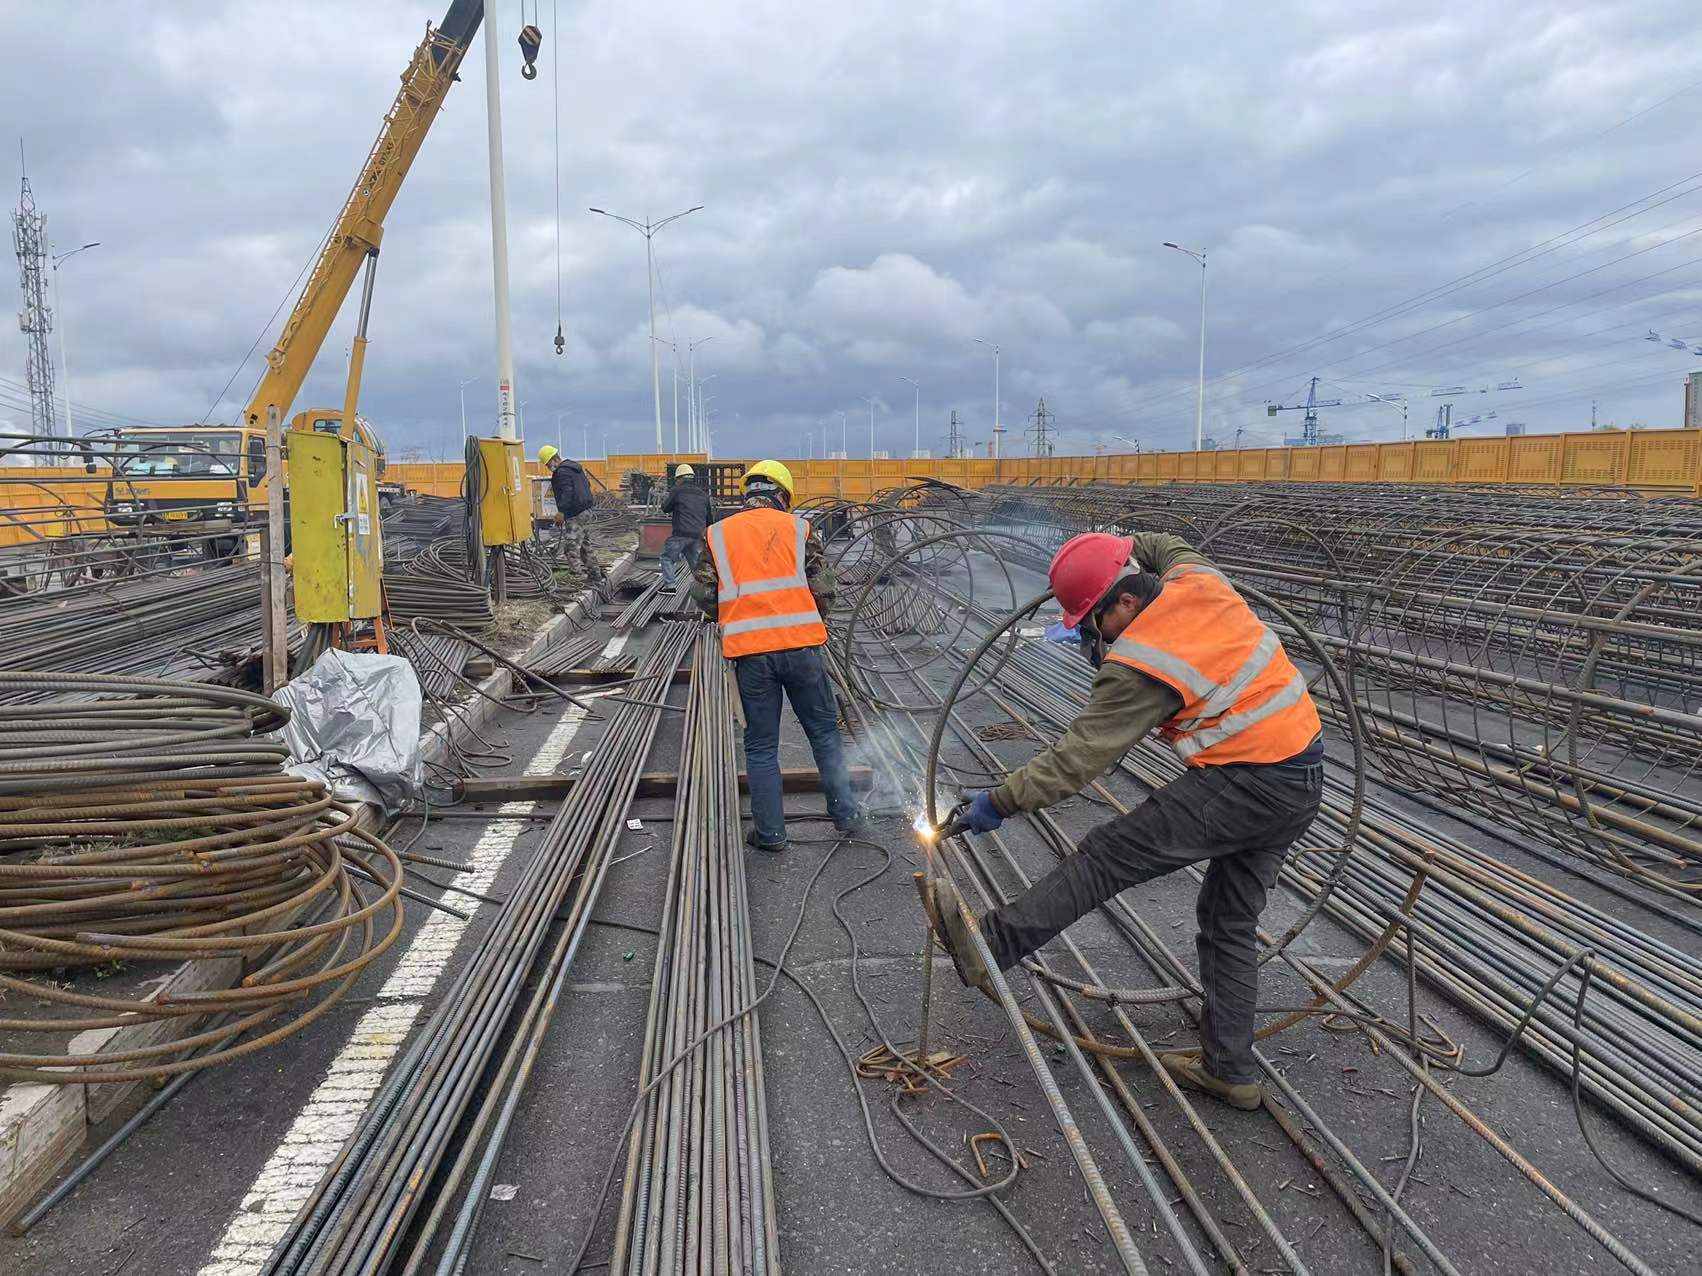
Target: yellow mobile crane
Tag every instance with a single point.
(206, 474)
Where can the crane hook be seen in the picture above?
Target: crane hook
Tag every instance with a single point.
(561, 341)
(531, 40)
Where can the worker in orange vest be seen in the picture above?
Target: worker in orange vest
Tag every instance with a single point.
(1177, 649)
(767, 581)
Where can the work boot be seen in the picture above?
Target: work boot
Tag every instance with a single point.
(854, 825)
(752, 841)
(945, 914)
(1191, 1074)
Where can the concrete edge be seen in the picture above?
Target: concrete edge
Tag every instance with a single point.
(43, 1126)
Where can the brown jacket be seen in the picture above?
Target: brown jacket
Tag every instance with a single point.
(1123, 706)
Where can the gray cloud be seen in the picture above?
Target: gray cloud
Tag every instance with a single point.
(883, 183)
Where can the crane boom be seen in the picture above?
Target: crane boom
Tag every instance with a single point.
(360, 225)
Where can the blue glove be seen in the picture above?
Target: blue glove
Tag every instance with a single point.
(1058, 631)
(982, 816)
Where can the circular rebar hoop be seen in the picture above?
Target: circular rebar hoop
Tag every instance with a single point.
(965, 541)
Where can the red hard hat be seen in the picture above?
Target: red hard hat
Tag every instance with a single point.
(1085, 568)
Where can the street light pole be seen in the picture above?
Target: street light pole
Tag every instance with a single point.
(64, 360)
(916, 447)
(673, 346)
(1200, 401)
(648, 229)
(702, 425)
(694, 426)
(469, 381)
(997, 428)
(870, 400)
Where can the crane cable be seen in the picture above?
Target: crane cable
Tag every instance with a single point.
(555, 77)
(531, 40)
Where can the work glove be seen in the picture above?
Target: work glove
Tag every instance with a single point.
(982, 816)
(1058, 631)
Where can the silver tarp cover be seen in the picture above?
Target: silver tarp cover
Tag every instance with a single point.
(355, 723)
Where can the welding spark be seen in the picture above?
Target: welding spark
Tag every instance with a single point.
(924, 830)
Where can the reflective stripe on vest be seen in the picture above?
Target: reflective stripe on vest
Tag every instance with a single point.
(1242, 698)
(763, 590)
(1231, 724)
(758, 623)
(742, 589)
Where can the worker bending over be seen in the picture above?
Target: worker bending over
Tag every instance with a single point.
(688, 503)
(1187, 655)
(765, 578)
(571, 491)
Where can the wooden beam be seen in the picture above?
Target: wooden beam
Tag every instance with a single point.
(653, 784)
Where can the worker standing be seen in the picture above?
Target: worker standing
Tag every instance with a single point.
(1177, 648)
(687, 502)
(767, 581)
(571, 491)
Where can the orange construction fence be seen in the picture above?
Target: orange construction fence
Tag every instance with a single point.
(1647, 460)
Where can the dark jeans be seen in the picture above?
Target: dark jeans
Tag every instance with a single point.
(1240, 818)
(678, 549)
(802, 675)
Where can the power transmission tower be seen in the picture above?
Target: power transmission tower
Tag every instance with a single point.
(29, 238)
(955, 439)
(1040, 433)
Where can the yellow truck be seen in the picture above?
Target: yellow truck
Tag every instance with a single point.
(204, 481)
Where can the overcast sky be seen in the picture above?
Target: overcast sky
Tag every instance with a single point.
(883, 183)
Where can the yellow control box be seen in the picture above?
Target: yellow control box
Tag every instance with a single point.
(505, 512)
(336, 538)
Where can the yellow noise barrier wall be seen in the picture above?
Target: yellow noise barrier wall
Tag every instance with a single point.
(41, 503)
(1650, 460)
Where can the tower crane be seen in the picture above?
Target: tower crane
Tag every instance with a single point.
(1309, 436)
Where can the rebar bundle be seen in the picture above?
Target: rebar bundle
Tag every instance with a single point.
(152, 821)
(645, 605)
(448, 1102)
(699, 1194)
(203, 625)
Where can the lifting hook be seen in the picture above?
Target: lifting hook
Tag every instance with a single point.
(561, 341)
(531, 40)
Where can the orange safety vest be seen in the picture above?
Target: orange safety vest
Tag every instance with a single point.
(1242, 698)
(765, 600)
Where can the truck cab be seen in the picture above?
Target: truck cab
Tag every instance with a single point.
(205, 479)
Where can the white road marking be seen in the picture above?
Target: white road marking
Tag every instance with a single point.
(331, 1112)
(312, 1142)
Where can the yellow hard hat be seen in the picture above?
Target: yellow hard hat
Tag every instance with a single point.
(773, 471)
(683, 471)
(546, 454)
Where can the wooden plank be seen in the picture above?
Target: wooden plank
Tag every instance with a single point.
(653, 784)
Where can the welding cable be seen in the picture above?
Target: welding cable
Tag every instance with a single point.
(852, 1074)
(1579, 963)
(512, 665)
(778, 966)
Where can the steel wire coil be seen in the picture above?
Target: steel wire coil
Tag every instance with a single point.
(152, 821)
